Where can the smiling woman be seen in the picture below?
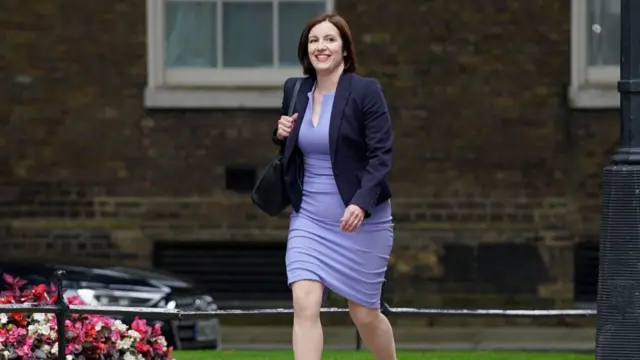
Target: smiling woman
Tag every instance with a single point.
(329, 37)
(337, 146)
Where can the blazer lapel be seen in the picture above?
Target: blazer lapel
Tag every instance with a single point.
(300, 108)
(343, 92)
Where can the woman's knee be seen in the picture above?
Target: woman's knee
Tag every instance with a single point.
(362, 315)
(307, 299)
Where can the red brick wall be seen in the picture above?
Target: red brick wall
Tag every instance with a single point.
(487, 151)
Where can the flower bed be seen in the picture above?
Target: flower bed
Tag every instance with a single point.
(29, 336)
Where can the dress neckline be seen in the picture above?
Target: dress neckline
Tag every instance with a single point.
(313, 88)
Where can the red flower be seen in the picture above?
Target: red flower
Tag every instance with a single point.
(39, 291)
(142, 347)
(17, 316)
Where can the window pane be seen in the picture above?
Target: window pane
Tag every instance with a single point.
(604, 32)
(190, 35)
(248, 34)
(292, 18)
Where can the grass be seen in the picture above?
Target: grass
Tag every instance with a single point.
(365, 355)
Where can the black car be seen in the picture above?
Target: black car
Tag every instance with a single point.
(185, 295)
(121, 286)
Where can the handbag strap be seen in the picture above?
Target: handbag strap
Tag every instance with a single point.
(292, 104)
(292, 101)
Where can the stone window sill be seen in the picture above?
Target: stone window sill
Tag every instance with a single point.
(212, 98)
(593, 98)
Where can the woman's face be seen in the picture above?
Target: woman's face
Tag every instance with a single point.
(325, 48)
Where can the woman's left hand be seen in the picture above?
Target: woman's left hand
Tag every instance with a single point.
(352, 218)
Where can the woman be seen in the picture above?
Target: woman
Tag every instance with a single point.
(337, 153)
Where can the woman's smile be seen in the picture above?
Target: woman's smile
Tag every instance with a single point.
(322, 57)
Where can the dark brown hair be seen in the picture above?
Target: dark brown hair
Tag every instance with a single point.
(350, 60)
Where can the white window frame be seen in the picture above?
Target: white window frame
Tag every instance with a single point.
(209, 88)
(592, 87)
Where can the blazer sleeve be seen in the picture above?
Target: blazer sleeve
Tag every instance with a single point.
(286, 95)
(379, 141)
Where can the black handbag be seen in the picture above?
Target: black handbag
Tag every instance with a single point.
(270, 194)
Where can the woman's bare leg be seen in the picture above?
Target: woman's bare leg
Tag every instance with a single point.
(375, 330)
(307, 329)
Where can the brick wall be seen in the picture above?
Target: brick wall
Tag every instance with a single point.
(495, 178)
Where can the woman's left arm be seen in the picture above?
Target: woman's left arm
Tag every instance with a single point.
(379, 140)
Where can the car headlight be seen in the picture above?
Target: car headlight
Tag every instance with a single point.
(114, 297)
(171, 305)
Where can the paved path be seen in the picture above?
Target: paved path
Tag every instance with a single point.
(455, 338)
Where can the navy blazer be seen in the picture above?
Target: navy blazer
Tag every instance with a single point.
(360, 136)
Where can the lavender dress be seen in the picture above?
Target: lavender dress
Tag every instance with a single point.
(352, 265)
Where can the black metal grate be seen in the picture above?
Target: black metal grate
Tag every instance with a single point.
(585, 271)
(240, 178)
(238, 271)
(618, 328)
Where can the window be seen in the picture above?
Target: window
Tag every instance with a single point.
(595, 53)
(208, 53)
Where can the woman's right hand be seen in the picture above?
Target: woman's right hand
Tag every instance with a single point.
(285, 124)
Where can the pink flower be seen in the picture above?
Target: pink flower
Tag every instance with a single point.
(141, 327)
(157, 330)
(72, 348)
(14, 333)
(115, 336)
(24, 350)
(75, 300)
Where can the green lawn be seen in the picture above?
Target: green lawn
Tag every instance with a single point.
(365, 355)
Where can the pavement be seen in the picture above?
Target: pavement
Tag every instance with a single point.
(427, 338)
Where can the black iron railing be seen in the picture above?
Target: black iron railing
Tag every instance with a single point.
(61, 309)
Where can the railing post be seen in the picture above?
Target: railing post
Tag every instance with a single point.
(61, 313)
